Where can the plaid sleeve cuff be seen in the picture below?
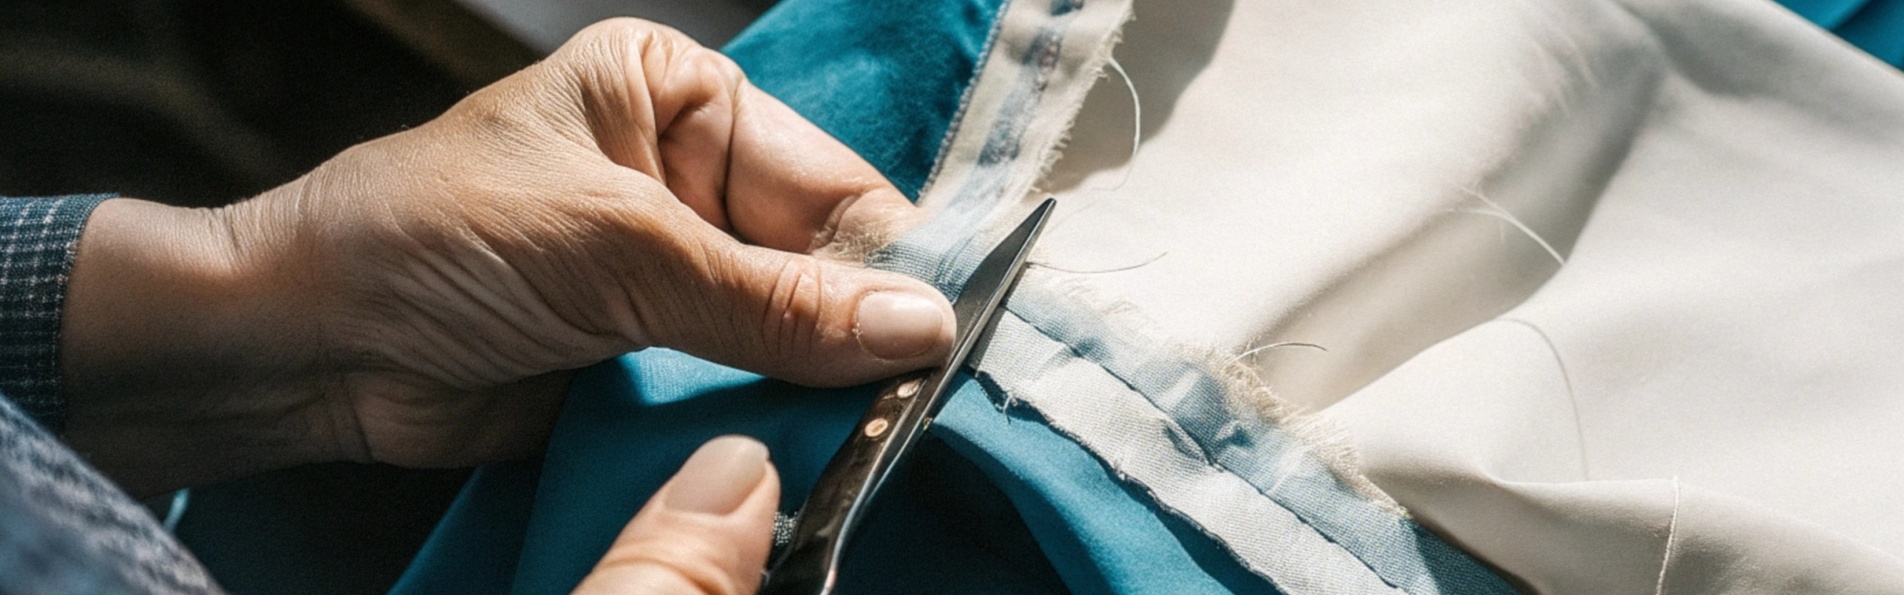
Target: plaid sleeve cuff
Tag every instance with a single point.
(37, 238)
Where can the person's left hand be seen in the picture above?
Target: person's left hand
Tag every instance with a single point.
(418, 299)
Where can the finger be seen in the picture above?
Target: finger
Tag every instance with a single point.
(793, 187)
(708, 530)
(794, 316)
(661, 104)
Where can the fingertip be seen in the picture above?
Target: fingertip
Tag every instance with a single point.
(719, 476)
(708, 530)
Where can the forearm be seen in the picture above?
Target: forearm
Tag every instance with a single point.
(173, 350)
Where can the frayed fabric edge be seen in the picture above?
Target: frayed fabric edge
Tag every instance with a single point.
(1322, 437)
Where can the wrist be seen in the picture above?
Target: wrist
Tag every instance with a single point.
(181, 359)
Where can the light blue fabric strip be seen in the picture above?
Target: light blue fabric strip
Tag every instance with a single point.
(1153, 453)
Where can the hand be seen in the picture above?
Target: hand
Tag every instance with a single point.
(417, 299)
(707, 531)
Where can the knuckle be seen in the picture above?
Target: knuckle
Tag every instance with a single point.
(616, 35)
(710, 66)
(791, 319)
(615, 30)
(607, 47)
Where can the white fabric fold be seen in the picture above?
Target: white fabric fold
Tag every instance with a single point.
(1705, 397)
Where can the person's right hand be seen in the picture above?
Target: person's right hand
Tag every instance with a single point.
(708, 531)
(418, 299)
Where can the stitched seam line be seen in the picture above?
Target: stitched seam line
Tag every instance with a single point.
(965, 97)
(1208, 457)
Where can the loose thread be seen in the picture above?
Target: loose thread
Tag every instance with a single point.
(1137, 125)
(1503, 214)
(1146, 262)
(1262, 348)
(1672, 531)
(1137, 141)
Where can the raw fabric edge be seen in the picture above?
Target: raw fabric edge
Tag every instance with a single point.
(952, 183)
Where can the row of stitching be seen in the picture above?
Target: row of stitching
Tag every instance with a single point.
(1375, 547)
(1002, 395)
(965, 98)
(1149, 447)
(1208, 458)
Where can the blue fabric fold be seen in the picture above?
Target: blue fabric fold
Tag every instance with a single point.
(1877, 28)
(1826, 13)
(886, 78)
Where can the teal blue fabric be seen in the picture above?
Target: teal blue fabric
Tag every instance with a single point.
(474, 549)
(1001, 504)
(887, 78)
(1875, 26)
(1826, 13)
(996, 502)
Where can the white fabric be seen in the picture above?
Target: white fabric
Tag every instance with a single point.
(1707, 397)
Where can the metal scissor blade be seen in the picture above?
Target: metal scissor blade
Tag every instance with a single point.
(896, 420)
(994, 278)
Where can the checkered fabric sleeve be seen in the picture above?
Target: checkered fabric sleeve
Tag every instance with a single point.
(37, 237)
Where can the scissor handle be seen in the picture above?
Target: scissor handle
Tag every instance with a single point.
(885, 435)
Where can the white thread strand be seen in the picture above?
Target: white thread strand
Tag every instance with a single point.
(1508, 216)
(1262, 348)
(1144, 263)
(1672, 530)
(1137, 126)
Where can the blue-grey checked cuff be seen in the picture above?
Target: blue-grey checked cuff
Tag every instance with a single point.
(37, 237)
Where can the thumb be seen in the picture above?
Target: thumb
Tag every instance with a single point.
(801, 318)
(708, 530)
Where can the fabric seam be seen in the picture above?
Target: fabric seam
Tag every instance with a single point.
(965, 98)
(1208, 459)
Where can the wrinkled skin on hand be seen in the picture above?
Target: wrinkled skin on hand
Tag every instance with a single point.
(420, 298)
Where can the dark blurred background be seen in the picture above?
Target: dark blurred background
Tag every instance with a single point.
(203, 102)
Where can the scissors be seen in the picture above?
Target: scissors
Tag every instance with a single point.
(895, 421)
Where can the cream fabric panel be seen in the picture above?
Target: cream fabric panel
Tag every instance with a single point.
(1707, 397)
